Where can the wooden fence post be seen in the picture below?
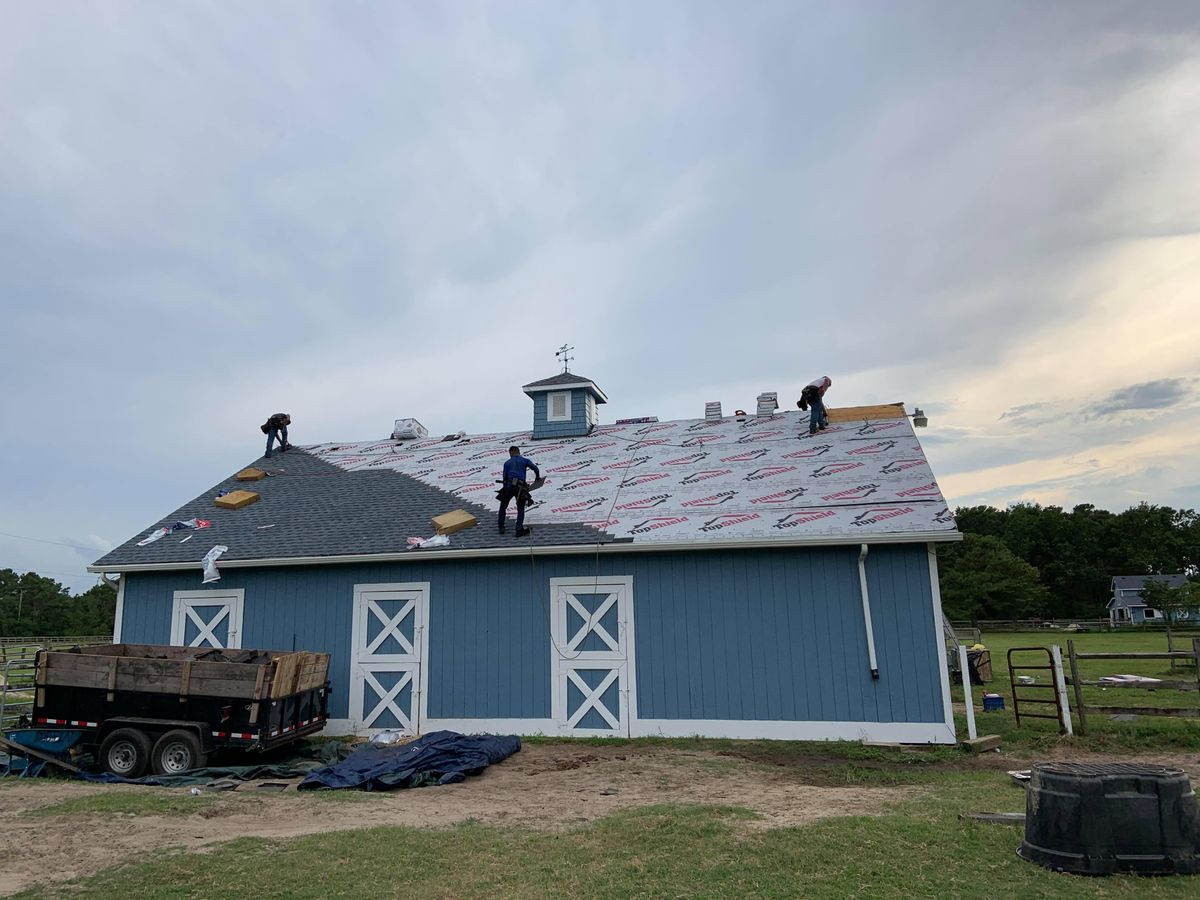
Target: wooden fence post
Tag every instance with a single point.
(1079, 707)
(968, 699)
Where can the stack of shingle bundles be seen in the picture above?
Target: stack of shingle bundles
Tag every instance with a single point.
(768, 402)
(712, 410)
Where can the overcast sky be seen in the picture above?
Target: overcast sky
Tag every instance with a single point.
(353, 212)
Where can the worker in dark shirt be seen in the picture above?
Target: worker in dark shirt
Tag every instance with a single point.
(275, 428)
(515, 487)
(813, 396)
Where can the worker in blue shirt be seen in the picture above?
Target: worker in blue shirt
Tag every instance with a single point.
(515, 486)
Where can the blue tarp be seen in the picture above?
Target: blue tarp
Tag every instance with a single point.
(54, 742)
(441, 757)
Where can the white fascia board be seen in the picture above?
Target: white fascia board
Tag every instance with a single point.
(571, 385)
(551, 550)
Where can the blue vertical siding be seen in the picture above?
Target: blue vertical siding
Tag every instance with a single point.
(576, 427)
(734, 634)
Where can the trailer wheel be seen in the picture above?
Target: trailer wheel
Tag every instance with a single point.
(126, 752)
(177, 752)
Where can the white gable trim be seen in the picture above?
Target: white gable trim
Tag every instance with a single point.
(567, 386)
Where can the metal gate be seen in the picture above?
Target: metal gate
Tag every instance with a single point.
(592, 655)
(387, 641)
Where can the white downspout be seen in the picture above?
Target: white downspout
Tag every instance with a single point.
(866, 602)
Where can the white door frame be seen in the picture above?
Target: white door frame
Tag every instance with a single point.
(413, 662)
(564, 660)
(185, 601)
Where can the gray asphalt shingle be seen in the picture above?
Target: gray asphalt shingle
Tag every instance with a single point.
(561, 378)
(317, 509)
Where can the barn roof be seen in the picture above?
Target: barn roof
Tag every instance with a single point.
(687, 483)
(1137, 582)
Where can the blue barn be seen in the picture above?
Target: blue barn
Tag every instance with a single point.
(721, 576)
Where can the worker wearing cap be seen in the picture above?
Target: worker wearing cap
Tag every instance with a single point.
(275, 428)
(515, 487)
(813, 396)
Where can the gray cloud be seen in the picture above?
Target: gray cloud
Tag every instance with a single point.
(1163, 393)
(392, 210)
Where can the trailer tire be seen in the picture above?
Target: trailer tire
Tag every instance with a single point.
(126, 752)
(177, 752)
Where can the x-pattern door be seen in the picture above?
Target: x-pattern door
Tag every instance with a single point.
(207, 619)
(593, 655)
(386, 663)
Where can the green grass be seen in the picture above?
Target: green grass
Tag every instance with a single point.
(144, 802)
(1146, 734)
(919, 848)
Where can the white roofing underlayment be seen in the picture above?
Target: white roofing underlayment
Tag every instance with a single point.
(695, 479)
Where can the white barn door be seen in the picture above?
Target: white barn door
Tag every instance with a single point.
(592, 655)
(387, 641)
(207, 619)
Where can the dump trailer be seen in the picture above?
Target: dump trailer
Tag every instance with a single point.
(146, 707)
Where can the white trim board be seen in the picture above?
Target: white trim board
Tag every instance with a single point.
(884, 732)
(622, 661)
(531, 389)
(232, 598)
(565, 416)
(939, 631)
(493, 726)
(556, 550)
(417, 660)
(341, 727)
(737, 729)
(119, 617)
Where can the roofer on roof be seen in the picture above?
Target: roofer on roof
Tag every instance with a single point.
(515, 486)
(813, 396)
(276, 427)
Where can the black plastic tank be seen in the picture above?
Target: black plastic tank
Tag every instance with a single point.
(1101, 818)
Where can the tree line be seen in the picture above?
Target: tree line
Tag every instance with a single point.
(1033, 561)
(32, 604)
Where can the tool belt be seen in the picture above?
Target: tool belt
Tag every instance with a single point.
(808, 396)
(515, 487)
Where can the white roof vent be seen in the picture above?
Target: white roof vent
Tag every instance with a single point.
(409, 430)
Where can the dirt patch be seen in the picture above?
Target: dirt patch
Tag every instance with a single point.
(544, 786)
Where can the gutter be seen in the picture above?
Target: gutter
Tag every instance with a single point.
(866, 603)
(916, 537)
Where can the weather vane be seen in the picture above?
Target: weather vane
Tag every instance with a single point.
(561, 356)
